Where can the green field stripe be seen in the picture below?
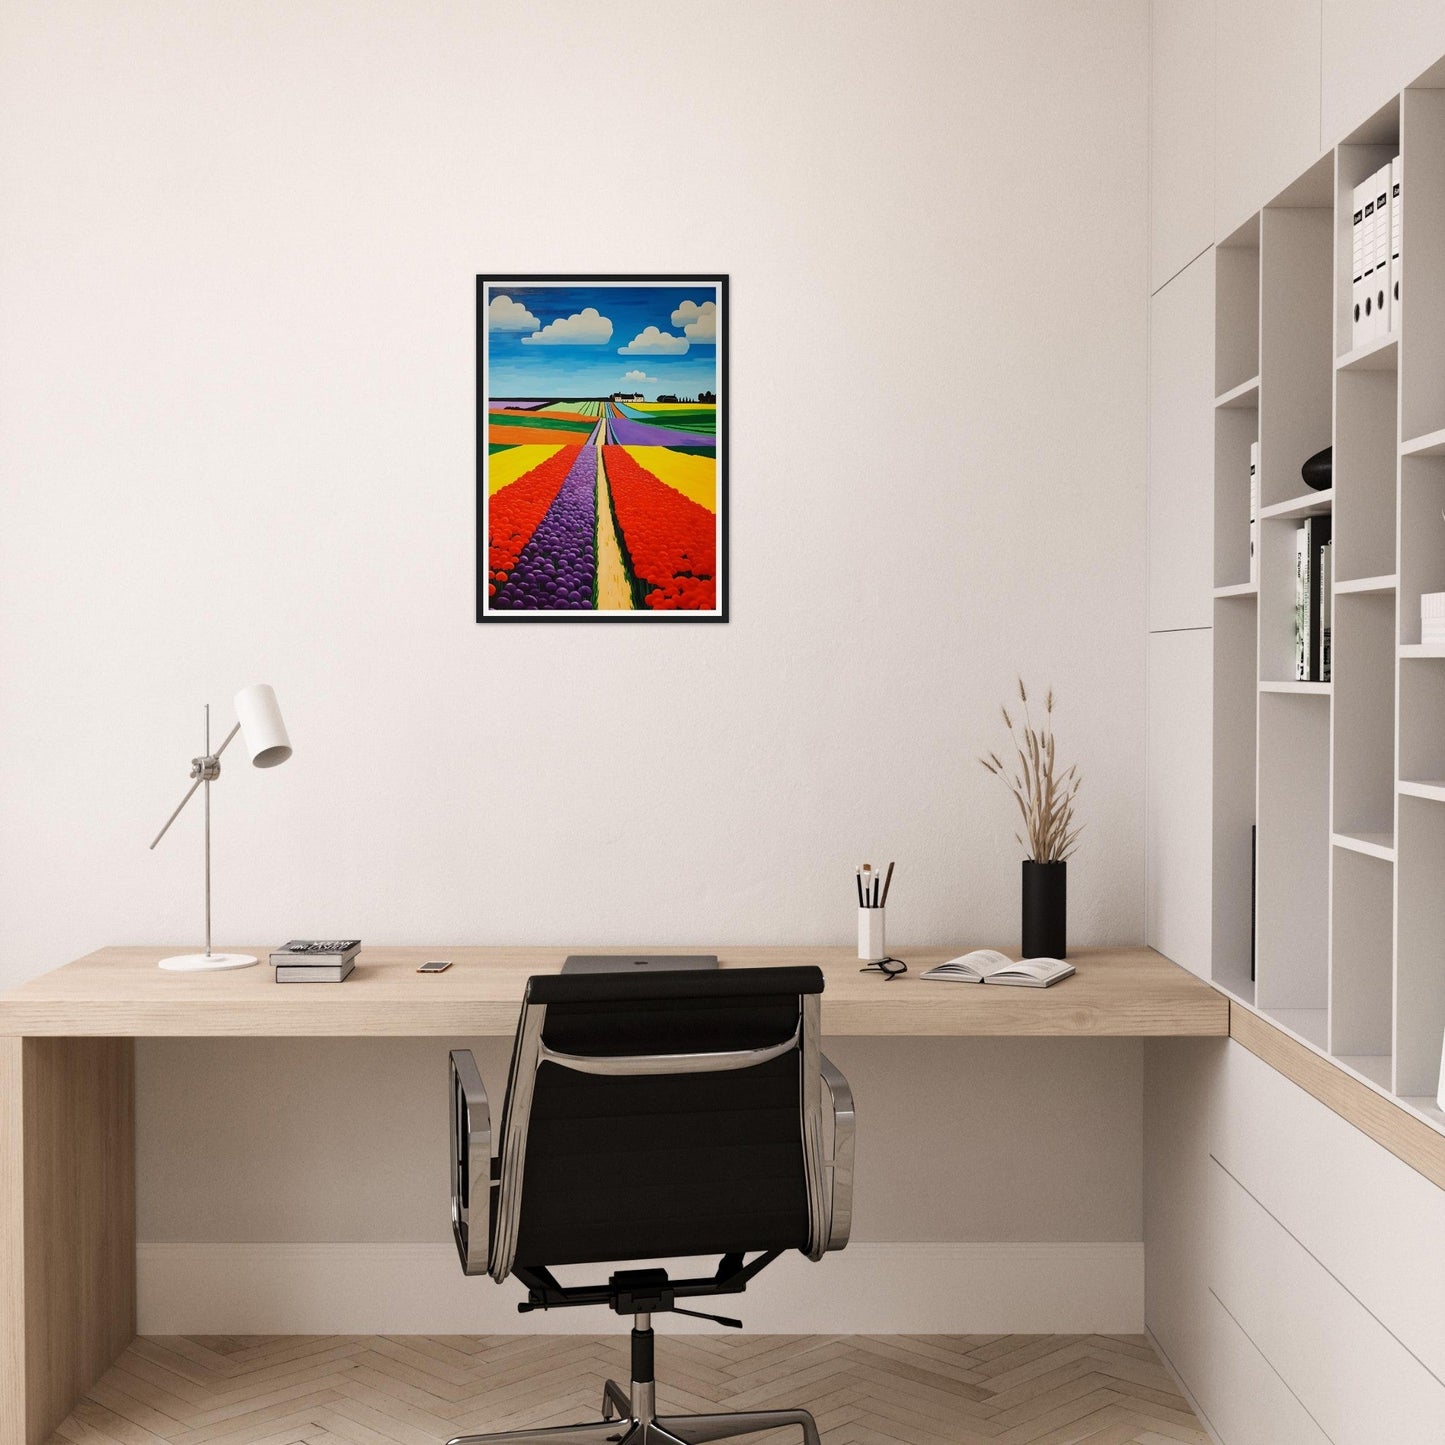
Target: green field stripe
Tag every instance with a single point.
(494, 447)
(667, 424)
(697, 451)
(545, 423)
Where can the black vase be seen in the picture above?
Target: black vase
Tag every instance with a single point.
(1046, 909)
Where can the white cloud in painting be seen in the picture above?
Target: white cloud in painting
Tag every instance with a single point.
(699, 323)
(638, 376)
(653, 342)
(504, 314)
(584, 328)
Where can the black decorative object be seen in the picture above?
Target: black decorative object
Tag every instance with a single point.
(1319, 471)
(1045, 910)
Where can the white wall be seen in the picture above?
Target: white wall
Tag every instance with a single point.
(236, 375)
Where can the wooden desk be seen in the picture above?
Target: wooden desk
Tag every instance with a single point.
(119, 992)
(67, 1165)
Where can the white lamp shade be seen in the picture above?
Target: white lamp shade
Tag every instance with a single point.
(262, 730)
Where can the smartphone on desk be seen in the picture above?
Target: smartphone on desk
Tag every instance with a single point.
(435, 965)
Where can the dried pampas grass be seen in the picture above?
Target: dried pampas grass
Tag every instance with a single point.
(1045, 796)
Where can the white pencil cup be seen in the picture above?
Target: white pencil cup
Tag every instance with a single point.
(871, 945)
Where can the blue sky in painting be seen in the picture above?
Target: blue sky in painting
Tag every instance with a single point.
(579, 340)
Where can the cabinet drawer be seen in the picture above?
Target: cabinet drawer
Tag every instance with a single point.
(1357, 1381)
(1367, 1217)
(1246, 1402)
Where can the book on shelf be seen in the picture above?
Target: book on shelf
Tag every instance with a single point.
(988, 965)
(1310, 610)
(1326, 606)
(316, 952)
(314, 972)
(1254, 513)
(1301, 605)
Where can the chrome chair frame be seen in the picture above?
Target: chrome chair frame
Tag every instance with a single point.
(486, 1210)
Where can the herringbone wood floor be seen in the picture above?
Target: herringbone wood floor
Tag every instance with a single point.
(419, 1390)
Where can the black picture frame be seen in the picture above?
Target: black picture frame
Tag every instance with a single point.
(484, 614)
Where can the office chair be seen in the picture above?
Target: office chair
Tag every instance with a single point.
(648, 1118)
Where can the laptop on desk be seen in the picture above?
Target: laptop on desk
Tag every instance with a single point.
(637, 962)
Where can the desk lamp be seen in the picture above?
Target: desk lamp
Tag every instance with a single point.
(258, 720)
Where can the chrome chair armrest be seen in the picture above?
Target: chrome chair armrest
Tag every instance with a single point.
(471, 1124)
(840, 1165)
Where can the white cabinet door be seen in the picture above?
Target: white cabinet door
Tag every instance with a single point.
(1266, 102)
(1178, 814)
(1370, 49)
(1181, 134)
(1181, 450)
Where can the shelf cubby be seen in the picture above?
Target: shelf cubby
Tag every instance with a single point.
(1235, 430)
(1422, 725)
(1422, 251)
(1294, 852)
(1276, 601)
(1422, 538)
(1420, 961)
(1362, 956)
(1363, 685)
(1236, 302)
(1296, 329)
(1373, 145)
(1365, 461)
(1235, 705)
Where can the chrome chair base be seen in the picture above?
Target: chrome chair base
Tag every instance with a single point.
(629, 1426)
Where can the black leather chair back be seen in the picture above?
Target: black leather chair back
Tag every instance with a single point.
(647, 1165)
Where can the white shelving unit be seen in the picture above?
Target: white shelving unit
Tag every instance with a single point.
(1335, 789)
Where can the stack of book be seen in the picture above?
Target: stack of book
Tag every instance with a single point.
(315, 960)
(1313, 583)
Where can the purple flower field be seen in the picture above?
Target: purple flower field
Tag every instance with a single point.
(556, 569)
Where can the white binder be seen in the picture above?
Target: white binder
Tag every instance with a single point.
(1396, 223)
(1357, 266)
(1382, 251)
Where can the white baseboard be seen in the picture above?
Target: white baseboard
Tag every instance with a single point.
(350, 1289)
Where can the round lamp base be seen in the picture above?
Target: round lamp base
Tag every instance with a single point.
(206, 962)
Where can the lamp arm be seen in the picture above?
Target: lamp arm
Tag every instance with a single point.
(199, 772)
(190, 793)
(235, 728)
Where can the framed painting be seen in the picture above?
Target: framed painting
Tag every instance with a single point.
(602, 448)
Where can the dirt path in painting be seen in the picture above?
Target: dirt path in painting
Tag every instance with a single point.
(613, 592)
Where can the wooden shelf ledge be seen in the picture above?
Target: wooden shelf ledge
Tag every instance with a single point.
(1393, 1123)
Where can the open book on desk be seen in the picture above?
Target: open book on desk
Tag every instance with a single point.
(987, 965)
